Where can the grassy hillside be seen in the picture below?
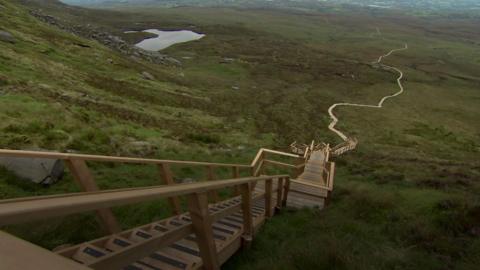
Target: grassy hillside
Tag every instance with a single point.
(406, 199)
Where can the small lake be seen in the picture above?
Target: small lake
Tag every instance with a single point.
(166, 39)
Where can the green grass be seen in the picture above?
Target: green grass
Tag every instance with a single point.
(368, 226)
(407, 198)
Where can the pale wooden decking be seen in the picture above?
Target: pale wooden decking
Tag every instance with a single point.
(308, 189)
(182, 254)
(301, 194)
(203, 238)
(314, 169)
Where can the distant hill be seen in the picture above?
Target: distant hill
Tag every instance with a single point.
(418, 5)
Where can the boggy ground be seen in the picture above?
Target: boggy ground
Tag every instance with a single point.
(406, 199)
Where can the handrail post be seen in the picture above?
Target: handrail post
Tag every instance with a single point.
(80, 172)
(330, 183)
(167, 177)
(236, 174)
(268, 198)
(262, 165)
(247, 214)
(258, 167)
(279, 193)
(211, 177)
(286, 190)
(299, 170)
(202, 226)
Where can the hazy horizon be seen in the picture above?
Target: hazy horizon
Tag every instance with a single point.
(418, 4)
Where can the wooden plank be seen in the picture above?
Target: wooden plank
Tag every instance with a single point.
(331, 175)
(202, 226)
(257, 158)
(278, 163)
(286, 190)
(84, 178)
(299, 168)
(167, 177)
(280, 153)
(258, 170)
(330, 183)
(13, 212)
(212, 177)
(279, 192)
(229, 250)
(308, 188)
(258, 163)
(16, 253)
(232, 209)
(136, 251)
(268, 198)
(236, 174)
(247, 213)
(65, 156)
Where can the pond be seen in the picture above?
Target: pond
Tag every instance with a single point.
(166, 39)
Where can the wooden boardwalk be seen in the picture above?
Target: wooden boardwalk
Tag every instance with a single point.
(313, 183)
(182, 254)
(199, 235)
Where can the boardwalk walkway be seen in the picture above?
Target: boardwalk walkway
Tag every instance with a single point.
(204, 230)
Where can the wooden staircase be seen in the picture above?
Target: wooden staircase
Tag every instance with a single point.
(182, 254)
(205, 230)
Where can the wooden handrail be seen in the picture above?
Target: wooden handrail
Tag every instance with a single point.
(16, 253)
(262, 151)
(79, 169)
(278, 163)
(68, 156)
(257, 158)
(12, 211)
(280, 153)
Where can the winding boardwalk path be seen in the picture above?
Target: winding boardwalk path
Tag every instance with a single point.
(334, 121)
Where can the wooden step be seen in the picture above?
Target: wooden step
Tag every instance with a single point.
(182, 254)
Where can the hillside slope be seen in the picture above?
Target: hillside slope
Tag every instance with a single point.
(63, 92)
(406, 199)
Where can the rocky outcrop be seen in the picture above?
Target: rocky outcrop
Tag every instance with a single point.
(114, 42)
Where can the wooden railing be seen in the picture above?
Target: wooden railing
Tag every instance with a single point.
(261, 160)
(78, 167)
(348, 145)
(20, 210)
(14, 211)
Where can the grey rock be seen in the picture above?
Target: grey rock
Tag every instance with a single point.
(7, 37)
(40, 171)
(148, 76)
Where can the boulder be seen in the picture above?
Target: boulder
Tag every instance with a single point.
(37, 170)
(147, 76)
(6, 37)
